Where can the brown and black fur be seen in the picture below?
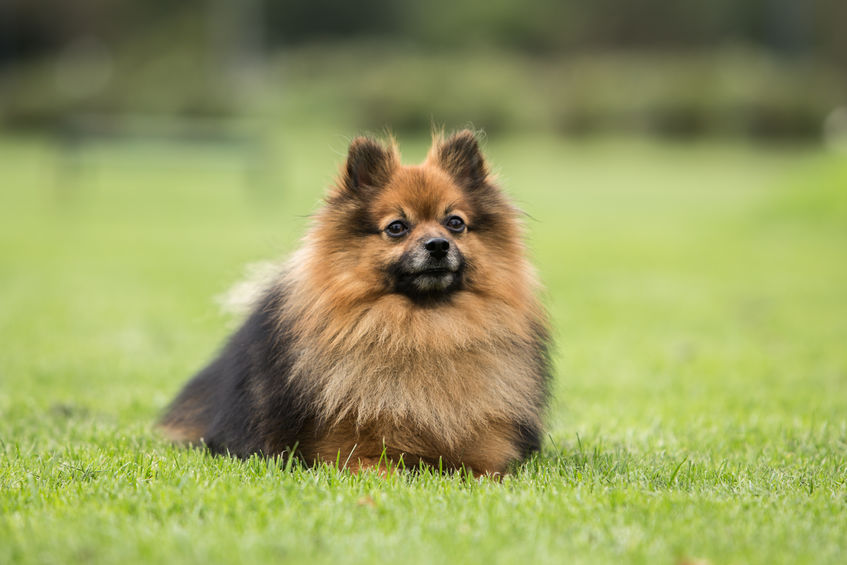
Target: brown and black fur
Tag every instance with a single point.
(426, 347)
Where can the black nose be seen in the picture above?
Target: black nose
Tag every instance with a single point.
(437, 247)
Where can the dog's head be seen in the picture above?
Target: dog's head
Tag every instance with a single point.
(425, 231)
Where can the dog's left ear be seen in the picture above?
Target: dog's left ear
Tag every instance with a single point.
(460, 156)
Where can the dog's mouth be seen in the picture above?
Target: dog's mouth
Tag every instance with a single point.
(434, 272)
(431, 280)
(430, 284)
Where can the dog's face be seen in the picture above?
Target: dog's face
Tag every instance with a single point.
(423, 222)
(424, 232)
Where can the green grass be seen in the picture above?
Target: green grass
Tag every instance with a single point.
(699, 294)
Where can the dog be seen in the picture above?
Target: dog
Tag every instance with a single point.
(406, 329)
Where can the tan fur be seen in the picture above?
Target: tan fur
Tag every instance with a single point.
(388, 373)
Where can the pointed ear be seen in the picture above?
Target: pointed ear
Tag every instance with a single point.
(369, 164)
(460, 156)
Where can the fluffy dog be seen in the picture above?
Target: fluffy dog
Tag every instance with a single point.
(405, 328)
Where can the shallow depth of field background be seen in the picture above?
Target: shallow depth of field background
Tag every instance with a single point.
(683, 166)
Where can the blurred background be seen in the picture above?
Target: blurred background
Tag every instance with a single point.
(761, 69)
(681, 162)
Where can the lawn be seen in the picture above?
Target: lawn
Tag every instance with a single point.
(699, 296)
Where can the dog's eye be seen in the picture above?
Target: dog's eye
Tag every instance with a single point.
(397, 229)
(455, 223)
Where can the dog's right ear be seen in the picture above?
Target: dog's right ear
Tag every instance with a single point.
(369, 165)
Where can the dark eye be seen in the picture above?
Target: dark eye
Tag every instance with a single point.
(455, 223)
(397, 229)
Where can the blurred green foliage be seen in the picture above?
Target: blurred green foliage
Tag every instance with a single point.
(759, 68)
(371, 86)
(726, 92)
(813, 27)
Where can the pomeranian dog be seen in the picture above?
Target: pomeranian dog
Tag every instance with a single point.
(405, 330)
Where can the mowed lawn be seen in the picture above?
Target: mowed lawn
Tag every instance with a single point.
(699, 296)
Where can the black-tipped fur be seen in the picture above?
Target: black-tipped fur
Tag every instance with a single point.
(460, 156)
(369, 165)
(242, 402)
